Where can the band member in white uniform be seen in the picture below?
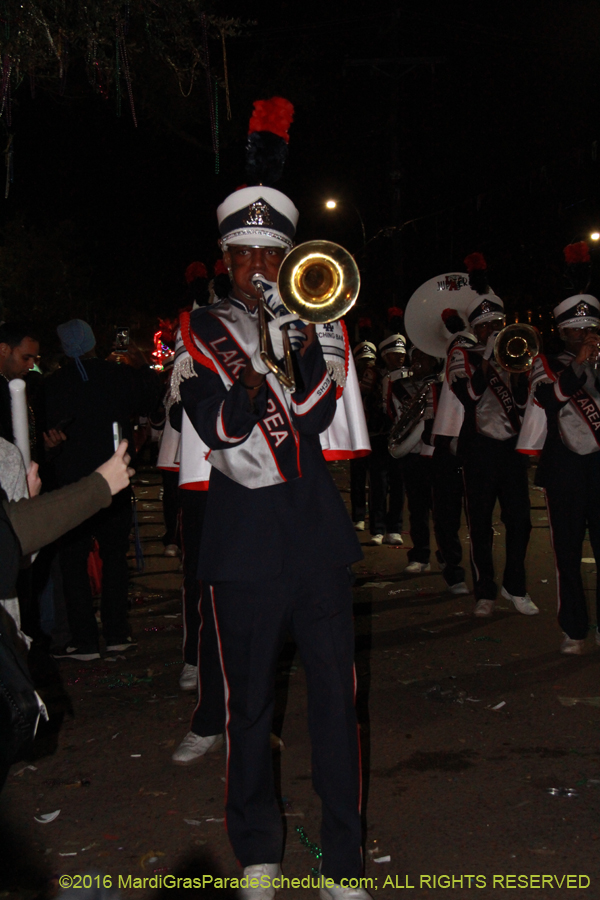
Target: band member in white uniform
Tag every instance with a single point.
(493, 402)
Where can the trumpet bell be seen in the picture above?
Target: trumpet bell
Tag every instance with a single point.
(319, 281)
(516, 347)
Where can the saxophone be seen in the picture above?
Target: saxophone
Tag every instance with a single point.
(408, 428)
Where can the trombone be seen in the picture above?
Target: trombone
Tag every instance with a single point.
(319, 282)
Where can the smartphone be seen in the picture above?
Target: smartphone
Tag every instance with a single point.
(117, 434)
(64, 423)
(121, 338)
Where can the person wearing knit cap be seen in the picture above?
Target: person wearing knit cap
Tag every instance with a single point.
(85, 396)
(275, 548)
(76, 339)
(494, 402)
(566, 387)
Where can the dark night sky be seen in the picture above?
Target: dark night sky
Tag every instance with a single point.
(497, 139)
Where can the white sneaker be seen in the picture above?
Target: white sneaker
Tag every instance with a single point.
(171, 550)
(359, 526)
(572, 646)
(416, 568)
(376, 540)
(339, 893)
(188, 680)
(392, 537)
(524, 604)
(459, 589)
(193, 747)
(259, 881)
(484, 608)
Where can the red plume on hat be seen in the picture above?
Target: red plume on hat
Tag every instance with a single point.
(477, 269)
(196, 279)
(579, 266)
(221, 282)
(195, 270)
(274, 115)
(577, 253)
(452, 320)
(395, 312)
(266, 149)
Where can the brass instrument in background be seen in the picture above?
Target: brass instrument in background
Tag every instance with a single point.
(516, 347)
(319, 282)
(408, 428)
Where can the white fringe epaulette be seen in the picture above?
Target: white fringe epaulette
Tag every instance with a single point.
(337, 371)
(183, 368)
(331, 338)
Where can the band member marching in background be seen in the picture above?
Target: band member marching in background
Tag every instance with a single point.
(388, 487)
(566, 387)
(493, 402)
(277, 540)
(414, 413)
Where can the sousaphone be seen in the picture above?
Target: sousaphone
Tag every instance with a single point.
(423, 315)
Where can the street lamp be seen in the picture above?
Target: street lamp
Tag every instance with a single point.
(595, 235)
(332, 204)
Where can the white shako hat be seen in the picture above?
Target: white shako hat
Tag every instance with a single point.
(484, 308)
(258, 216)
(395, 343)
(578, 311)
(365, 350)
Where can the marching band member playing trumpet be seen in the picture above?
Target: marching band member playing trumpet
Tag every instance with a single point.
(493, 402)
(567, 388)
(276, 547)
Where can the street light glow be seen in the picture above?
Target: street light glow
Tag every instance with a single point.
(595, 236)
(331, 204)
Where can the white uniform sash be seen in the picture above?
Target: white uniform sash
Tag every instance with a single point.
(578, 419)
(225, 338)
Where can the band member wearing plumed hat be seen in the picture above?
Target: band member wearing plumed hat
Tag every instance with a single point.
(386, 499)
(567, 388)
(276, 547)
(494, 402)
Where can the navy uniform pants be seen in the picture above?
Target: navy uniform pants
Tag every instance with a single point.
(252, 621)
(572, 484)
(493, 470)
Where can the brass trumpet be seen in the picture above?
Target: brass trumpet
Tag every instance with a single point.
(516, 347)
(319, 282)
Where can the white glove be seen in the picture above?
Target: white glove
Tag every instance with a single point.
(272, 297)
(489, 347)
(295, 334)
